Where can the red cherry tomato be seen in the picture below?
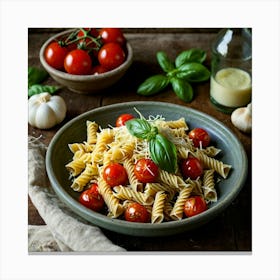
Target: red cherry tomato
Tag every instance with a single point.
(55, 54)
(111, 55)
(146, 171)
(122, 119)
(112, 35)
(115, 174)
(136, 212)
(91, 199)
(200, 137)
(78, 62)
(194, 205)
(98, 69)
(192, 168)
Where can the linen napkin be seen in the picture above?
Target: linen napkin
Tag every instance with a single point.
(64, 230)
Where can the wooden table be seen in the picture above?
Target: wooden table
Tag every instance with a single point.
(230, 231)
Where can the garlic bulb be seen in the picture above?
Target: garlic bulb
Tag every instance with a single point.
(242, 118)
(45, 110)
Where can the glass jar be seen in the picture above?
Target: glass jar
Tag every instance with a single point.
(231, 69)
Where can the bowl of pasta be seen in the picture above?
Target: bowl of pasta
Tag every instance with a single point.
(82, 151)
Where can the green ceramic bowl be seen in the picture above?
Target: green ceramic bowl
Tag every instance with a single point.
(58, 155)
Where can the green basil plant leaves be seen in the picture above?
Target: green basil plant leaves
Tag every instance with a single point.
(187, 69)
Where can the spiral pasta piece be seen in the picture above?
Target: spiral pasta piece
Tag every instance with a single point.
(158, 207)
(212, 163)
(92, 128)
(152, 188)
(83, 179)
(170, 179)
(133, 181)
(113, 203)
(105, 137)
(85, 147)
(75, 167)
(209, 190)
(178, 209)
(126, 193)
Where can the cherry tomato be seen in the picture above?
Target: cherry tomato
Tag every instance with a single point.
(111, 55)
(192, 168)
(136, 212)
(145, 170)
(98, 69)
(200, 137)
(55, 54)
(78, 62)
(112, 35)
(194, 205)
(122, 119)
(91, 199)
(115, 174)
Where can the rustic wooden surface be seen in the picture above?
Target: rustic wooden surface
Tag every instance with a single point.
(230, 231)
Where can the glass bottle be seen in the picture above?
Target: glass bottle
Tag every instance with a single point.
(231, 69)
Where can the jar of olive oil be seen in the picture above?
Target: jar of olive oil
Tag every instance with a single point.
(231, 69)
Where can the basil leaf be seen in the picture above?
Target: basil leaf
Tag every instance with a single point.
(153, 85)
(140, 128)
(164, 62)
(182, 89)
(163, 153)
(36, 89)
(191, 55)
(36, 76)
(193, 72)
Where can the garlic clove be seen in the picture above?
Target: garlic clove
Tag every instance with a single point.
(242, 118)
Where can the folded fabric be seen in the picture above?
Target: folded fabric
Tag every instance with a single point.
(64, 230)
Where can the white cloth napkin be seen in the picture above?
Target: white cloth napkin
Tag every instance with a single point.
(64, 230)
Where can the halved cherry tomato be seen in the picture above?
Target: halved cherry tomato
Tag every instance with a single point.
(55, 54)
(78, 62)
(200, 137)
(122, 119)
(136, 212)
(91, 199)
(115, 174)
(194, 205)
(192, 168)
(111, 55)
(112, 35)
(146, 171)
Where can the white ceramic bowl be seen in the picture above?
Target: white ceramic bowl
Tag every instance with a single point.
(85, 84)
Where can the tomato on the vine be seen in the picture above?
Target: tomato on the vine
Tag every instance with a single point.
(55, 54)
(122, 119)
(200, 137)
(192, 168)
(112, 35)
(194, 205)
(91, 198)
(136, 212)
(115, 174)
(111, 55)
(146, 171)
(78, 62)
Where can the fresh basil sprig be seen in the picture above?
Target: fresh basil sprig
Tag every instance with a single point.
(35, 77)
(162, 151)
(36, 89)
(188, 68)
